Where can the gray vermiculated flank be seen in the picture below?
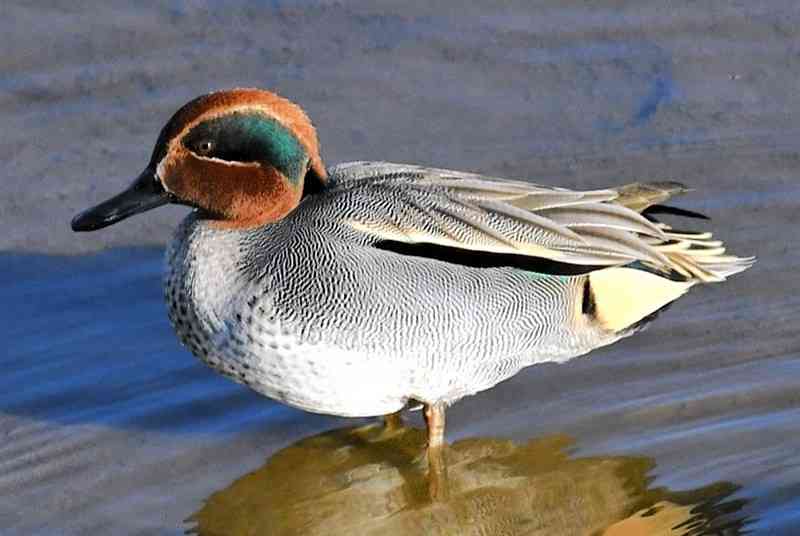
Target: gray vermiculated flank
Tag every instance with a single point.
(308, 312)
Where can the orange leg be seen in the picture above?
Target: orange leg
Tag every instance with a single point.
(434, 418)
(437, 467)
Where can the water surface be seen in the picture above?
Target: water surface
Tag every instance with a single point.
(373, 480)
(109, 427)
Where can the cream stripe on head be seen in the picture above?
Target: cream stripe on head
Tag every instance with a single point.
(220, 103)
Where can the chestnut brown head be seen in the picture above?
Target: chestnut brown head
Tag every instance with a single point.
(243, 157)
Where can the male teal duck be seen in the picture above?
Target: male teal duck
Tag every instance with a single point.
(361, 288)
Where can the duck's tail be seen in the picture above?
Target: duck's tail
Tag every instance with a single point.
(627, 297)
(695, 256)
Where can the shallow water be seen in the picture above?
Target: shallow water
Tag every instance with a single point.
(112, 425)
(373, 480)
(109, 427)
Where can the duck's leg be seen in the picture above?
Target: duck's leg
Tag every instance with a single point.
(393, 421)
(434, 418)
(437, 466)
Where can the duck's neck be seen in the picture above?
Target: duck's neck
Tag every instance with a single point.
(203, 273)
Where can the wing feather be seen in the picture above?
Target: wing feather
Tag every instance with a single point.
(602, 215)
(415, 204)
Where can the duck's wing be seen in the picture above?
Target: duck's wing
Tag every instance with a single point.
(491, 221)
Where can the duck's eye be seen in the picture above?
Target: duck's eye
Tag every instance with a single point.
(204, 147)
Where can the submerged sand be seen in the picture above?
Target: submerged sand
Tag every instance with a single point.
(109, 427)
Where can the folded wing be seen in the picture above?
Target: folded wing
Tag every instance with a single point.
(508, 220)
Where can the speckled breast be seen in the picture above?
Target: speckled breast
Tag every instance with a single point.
(304, 313)
(222, 305)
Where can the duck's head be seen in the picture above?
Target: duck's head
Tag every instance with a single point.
(243, 157)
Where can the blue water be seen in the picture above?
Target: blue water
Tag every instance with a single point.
(92, 351)
(108, 426)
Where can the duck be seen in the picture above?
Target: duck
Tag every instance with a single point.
(368, 287)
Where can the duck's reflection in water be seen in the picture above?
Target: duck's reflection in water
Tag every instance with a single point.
(374, 481)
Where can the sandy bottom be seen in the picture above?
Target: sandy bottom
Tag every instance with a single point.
(109, 427)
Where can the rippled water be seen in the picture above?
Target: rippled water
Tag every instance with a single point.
(109, 427)
(374, 481)
(106, 419)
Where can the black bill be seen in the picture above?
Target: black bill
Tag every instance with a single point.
(145, 193)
